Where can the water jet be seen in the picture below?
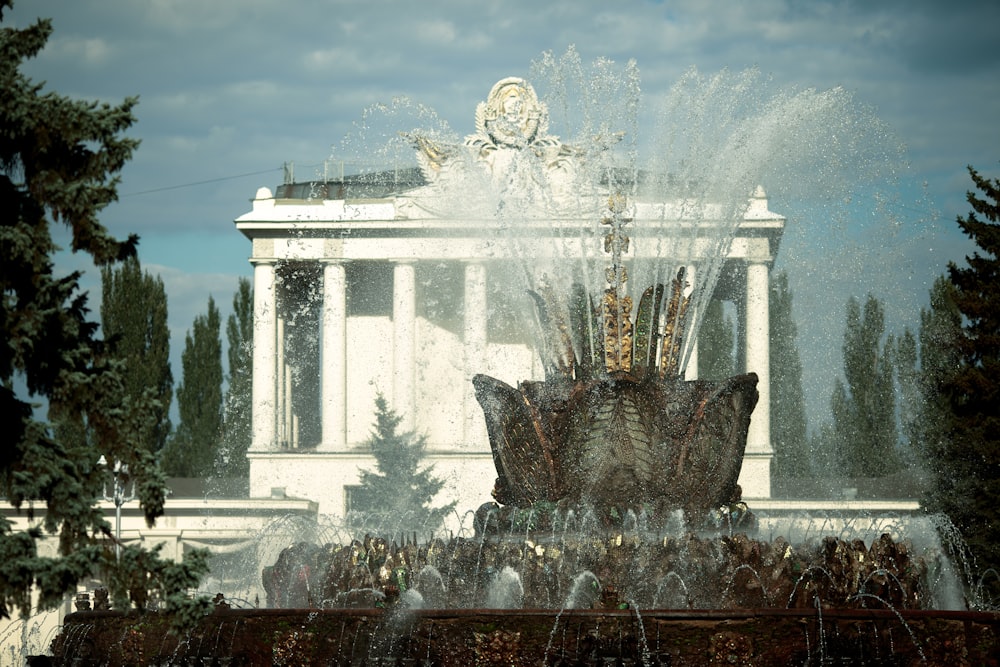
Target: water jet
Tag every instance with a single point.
(617, 477)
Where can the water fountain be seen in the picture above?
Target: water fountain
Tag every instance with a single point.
(618, 535)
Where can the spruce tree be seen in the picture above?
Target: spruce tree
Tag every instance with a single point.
(236, 417)
(134, 317)
(788, 414)
(59, 163)
(967, 462)
(192, 450)
(397, 495)
(715, 343)
(864, 414)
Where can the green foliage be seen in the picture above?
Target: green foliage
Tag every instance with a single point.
(134, 318)
(864, 413)
(398, 494)
(716, 338)
(192, 450)
(236, 417)
(788, 413)
(905, 360)
(940, 329)
(140, 578)
(59, 160)
(824, 456)
(964, 449)
(299, 311)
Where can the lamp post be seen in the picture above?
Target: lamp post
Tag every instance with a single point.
(119, 497)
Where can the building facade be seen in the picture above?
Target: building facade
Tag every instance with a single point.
(355, 297)
(406, 285)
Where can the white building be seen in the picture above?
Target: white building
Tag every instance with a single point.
(362, 288)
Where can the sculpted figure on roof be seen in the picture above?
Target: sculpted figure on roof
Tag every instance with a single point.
(511, 117)
(511, 126)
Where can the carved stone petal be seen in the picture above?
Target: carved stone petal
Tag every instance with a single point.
(524, 475)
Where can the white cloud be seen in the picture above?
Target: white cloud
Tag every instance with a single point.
(88, 52)
(192, 16)
(437, 32)
(207, 141)
(254, 88)
(339, 59)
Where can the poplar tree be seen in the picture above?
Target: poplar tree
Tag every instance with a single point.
(397, 495)
(967, 460)
(236, 417)
(192, 449)
(134, 317)
(788, 415)
(940, 329)
(911, 397)
(59, 164)
(864, 413)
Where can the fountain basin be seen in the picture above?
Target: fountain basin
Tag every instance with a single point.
(253, 638)
(619, 442)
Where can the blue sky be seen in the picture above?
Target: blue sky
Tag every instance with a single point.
(232, 89)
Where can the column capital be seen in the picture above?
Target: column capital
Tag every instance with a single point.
(759, 253)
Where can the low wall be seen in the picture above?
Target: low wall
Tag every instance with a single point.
(486, 637)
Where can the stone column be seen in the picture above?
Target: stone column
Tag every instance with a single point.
(756, 477)
(282, 401)
(474, 337)
(404, 330)
(333, 355)
(691, 370)
(264, 392)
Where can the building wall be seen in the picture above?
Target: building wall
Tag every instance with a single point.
(421, 305)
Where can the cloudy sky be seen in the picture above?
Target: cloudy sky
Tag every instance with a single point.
(230, 90)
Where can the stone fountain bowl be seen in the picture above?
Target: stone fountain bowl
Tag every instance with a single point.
(262, 638)
(662, 445)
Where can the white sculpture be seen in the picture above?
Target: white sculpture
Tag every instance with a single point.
(512, 147)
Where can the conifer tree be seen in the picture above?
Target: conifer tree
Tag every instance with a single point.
(236, 424)
(715, 343)
(397, 495)
(788, 414)
(192, 450)
(134, 317)
(967, 461)
(59, 163)
(864, 415)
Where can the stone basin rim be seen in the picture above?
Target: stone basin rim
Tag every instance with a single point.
(985, 617)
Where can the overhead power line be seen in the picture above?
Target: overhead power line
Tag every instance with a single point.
(205, 182)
